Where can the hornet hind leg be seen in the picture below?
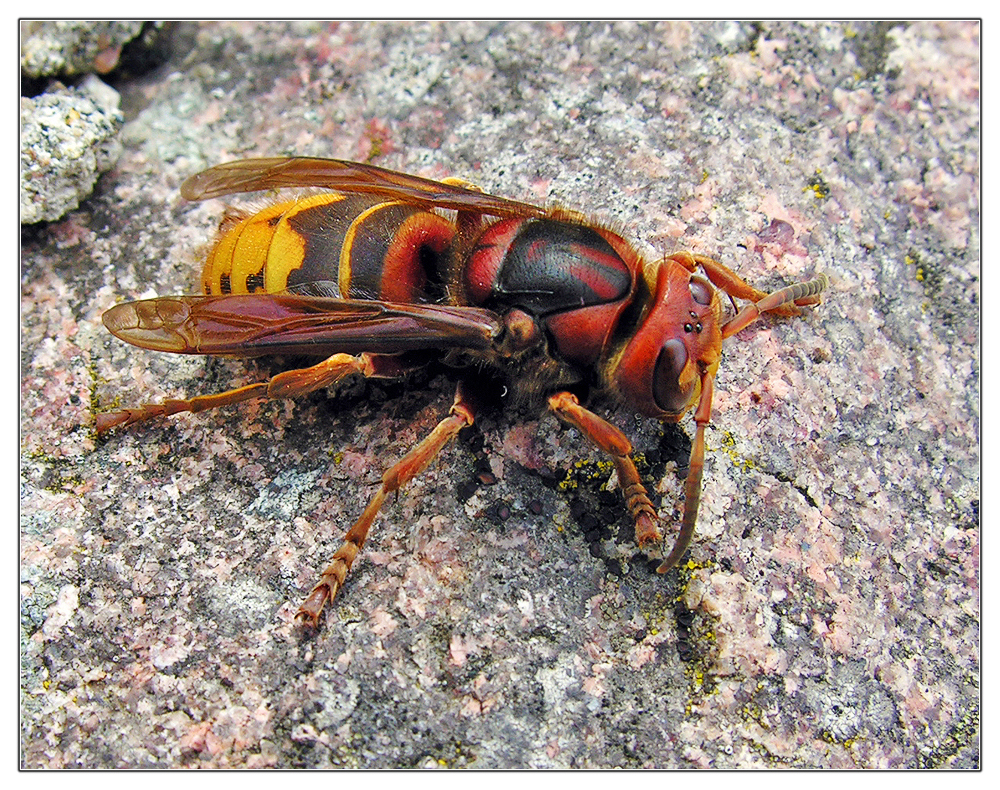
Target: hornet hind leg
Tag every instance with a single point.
(289, 384)
(402, 472)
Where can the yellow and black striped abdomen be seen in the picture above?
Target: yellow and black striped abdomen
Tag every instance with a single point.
(372, 249)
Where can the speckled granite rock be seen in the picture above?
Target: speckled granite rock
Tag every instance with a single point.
(66, 47)
(68, 138)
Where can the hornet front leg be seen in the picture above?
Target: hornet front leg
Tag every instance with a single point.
(606, 436)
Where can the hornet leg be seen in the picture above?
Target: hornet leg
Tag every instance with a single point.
(567, 408)
(396, 477)
(288, 384)
(614, 443)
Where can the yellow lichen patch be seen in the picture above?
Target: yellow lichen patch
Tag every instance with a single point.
(586, 471)
(728, 446)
